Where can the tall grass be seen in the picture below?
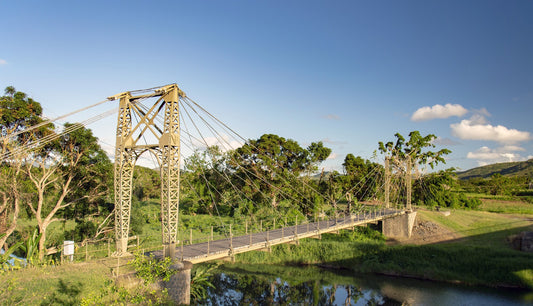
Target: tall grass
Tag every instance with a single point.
(481, 257)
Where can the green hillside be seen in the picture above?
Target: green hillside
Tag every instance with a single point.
(524, 168)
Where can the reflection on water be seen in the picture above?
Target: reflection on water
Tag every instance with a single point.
(281, 285)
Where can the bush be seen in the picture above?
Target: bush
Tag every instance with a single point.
(83, 230)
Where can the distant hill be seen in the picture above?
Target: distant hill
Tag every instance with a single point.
(524, 168)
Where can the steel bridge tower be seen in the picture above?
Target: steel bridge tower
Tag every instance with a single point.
(166, 148)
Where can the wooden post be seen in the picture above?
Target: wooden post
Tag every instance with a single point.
(261, 226)
(246, 226)
(230, 239)
(274, 227)
(211, 233)
(296, 227)
(182, 250)
(190, 236)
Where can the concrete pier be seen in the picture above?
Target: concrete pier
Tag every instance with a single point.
(399, 226)
(179, 285)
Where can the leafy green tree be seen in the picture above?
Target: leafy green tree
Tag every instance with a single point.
(146, 183)
(414, 149)
(206, 181)
(408, 155)
(317, 154)
(269, 169)
(361, 176)
(70, 177)
(18, 112)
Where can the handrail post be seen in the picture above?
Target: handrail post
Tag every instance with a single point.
(190, 236)
(230, 239)
(296, 227)
(246, 226)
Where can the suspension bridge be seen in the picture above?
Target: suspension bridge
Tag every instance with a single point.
(227, 248)
(165, 123)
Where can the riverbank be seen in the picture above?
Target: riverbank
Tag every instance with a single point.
(475, 251)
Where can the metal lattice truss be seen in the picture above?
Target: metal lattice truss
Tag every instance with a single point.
(405, 165)
(165, 146)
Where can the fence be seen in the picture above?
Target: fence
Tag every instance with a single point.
(89, 250)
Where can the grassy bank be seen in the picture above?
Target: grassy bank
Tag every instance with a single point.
(481, 257)
(66, 284)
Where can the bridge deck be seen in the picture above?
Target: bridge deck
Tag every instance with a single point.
(217, 249)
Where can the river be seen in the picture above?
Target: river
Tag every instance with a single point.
(287, 285)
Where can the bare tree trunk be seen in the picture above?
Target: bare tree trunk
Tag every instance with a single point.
(11, 228)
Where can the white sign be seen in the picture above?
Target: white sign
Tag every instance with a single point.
(68, 247)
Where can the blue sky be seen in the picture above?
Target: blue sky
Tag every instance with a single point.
(348, 73)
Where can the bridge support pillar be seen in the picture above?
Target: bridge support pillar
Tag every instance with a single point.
(400, 226)
(179, 285)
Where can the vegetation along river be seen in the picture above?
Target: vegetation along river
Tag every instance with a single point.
(288, 285)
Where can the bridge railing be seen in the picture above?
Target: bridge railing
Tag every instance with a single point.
(89, 250)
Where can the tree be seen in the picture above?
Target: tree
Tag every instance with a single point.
(269, 170)
(272, 160)
(205, 179)
(414, 149)
(71, 173)
(360, 177)
(317, 154)
(18, 112)
(404, 155)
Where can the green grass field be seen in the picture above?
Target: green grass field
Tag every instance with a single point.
(481, 255)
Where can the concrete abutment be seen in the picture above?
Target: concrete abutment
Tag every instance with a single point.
(399, 226)
(179, 285)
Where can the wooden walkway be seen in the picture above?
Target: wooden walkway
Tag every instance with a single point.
(228, 247)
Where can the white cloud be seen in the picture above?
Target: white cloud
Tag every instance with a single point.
(225, 144)
(333, 156)
(486, 155)
(438, 111)
(482, 111)
(332, 117)
(445, 142)
(2, 62)
(512, 148)
(477, 128)
(529, 157)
